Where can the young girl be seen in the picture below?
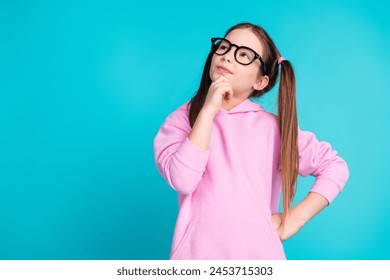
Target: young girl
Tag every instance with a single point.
(229, 159)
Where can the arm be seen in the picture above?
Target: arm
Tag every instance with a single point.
(181, 153)
(179, 162)
(317, 158)
(299, 215)
(320, 160)
(220, 91)
(201, 130)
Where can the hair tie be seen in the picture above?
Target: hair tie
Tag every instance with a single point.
(281, 59)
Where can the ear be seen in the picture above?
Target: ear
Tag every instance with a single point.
(261, 83)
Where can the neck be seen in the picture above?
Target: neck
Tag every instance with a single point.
(228, 105)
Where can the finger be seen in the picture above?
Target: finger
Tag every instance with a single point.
(224, 88)
(227, 93)
(226, 97)
(221, 79)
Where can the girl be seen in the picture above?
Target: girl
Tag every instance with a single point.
(229, 159)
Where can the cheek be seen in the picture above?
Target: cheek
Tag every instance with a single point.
(212, 71)
(253, 74)
(247, 76)
(245, 79)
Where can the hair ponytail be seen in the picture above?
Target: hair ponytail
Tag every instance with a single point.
(288, 128)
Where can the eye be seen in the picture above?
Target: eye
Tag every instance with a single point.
(244, 55)
(223, 46)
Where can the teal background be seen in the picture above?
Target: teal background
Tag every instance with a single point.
(85, 86)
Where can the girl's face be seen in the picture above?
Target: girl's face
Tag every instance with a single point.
(243, 78)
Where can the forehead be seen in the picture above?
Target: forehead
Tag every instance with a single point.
(246, 38)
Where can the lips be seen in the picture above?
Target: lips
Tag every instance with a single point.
(224, 69)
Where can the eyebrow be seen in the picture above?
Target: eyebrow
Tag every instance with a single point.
(243, 46)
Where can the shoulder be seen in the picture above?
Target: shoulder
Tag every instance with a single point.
(270, 117)
(270, 120)
(263, 114)
(179, 116)
(182, 110)
(305, 135)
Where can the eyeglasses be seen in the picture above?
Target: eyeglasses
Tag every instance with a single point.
(242, 55)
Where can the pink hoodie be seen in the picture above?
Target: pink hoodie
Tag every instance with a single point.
(228, 193)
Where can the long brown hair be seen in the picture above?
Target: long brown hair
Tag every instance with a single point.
(287, 112)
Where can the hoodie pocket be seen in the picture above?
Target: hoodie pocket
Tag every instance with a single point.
(245, 237)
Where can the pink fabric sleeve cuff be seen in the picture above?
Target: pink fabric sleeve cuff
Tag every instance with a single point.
(327, 188)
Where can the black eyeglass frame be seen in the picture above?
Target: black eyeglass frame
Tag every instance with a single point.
(257, 56)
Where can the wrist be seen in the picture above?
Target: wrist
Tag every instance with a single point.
(308, 208)
(207, 111)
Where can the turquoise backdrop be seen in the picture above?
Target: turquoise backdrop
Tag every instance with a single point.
(85, 86)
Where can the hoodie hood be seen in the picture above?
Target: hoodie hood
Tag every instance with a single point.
(245, 106)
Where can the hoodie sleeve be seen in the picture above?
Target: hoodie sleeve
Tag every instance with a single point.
(320, 160)
(178, 160)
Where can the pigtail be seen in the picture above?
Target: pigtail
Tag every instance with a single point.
(288, 128)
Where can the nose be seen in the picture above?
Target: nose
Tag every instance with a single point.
(229, 55)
